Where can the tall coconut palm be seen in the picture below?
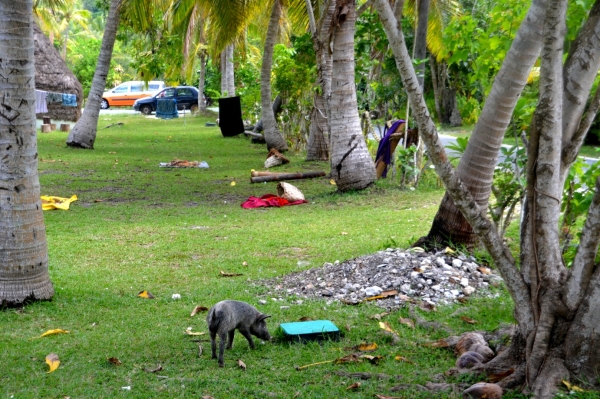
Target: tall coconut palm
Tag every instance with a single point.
(83, 134)
(317, 148)
(23, 245)
(555, 307)
(352, 167)
(477, 165)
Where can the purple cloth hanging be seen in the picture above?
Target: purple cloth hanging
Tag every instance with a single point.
(384, 146)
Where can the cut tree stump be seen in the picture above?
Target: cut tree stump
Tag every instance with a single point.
(53, 126)
(65, 127)
(46, 128)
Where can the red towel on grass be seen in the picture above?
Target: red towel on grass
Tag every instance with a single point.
(268, 200)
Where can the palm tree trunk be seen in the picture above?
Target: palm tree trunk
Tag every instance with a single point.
(227, 74)
(23, 245)
(230, 71)
(352, 166)
(420, 49)
(64, 45)
(272, 135)
(318, 139)
(83, 134)
(202, 98)
(476, 167)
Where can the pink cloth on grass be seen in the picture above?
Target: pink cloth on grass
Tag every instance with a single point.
(268, 200)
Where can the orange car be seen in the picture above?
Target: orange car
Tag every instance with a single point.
(126, 93)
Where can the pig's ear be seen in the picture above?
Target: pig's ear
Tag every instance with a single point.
(262, 317)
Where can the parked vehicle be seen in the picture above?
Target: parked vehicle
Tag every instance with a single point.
(126, 93)
(186, 97)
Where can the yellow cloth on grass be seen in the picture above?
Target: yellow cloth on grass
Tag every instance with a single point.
(49, 202)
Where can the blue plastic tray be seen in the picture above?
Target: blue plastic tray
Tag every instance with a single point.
(314, 330)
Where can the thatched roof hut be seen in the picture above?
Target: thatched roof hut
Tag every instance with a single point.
(52, 74)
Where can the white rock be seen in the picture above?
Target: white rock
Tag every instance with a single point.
(455, 292)
(457, 263)
(372, 291)
(284, 307)
(436, 287)
(464, 282)
(468, 290)
(440, 262)
(262, 301)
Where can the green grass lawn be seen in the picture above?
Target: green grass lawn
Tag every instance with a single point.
(171, 231)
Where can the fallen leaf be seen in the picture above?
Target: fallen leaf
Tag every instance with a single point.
(198, 309)
(244, 263)
(98, 200)
(462, 300)
(484, 270)
(53, 332)
(500, 376)
(157, 369)
(344, 233)
(199, 350)
(53, 362)
(403, 297)
(188, 332)
(114, 361)
(572, 387)
(305, 318)
(224, 274)
(407, 322)
(332, 182)
(232, 183)
(468, 320)
(241, 364)
(384, 325)
(297, 394)
(145, 294)
(374, 298)
(367, 347)
(440, 343)
(449, 250)
(403, 359)
(207, 397)
(387, 397)
(379, 316)
(356, 385)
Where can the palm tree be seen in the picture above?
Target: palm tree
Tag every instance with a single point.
(23, 245)
(317, 148)
(83, 134)
(477, 165)
(352, 167)
(555, 307)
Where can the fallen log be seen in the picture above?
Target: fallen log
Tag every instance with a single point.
(286, 176)
(259, 173)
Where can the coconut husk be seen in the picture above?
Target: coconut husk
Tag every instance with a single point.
(289, 192)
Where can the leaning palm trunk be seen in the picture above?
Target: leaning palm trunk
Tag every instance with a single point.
(272, 135)
(556, 309)
(352, 167)
(23, 246)
(83, 134)
(317, 148)
(477, 165)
